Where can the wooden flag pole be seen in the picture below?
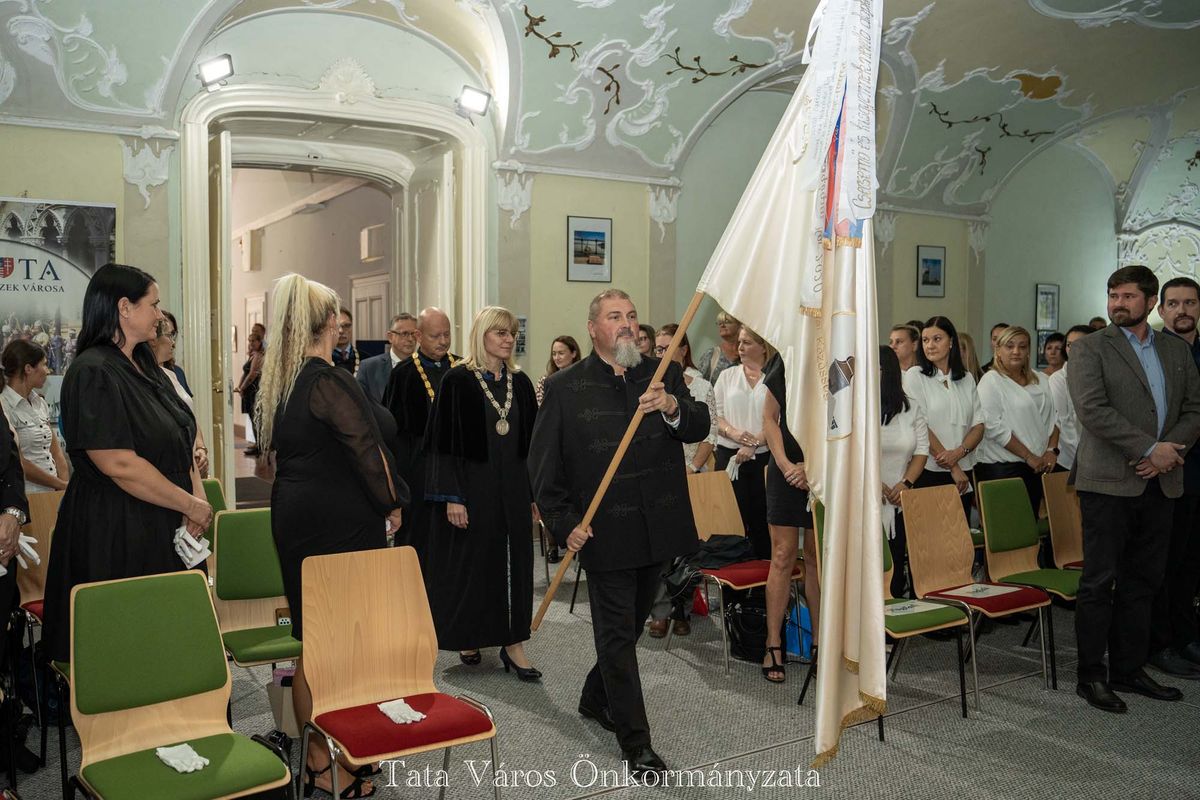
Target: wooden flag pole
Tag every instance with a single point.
(594, 506)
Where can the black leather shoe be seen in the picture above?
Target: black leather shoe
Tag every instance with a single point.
(1099, 695)
(1141, 683)
(1171, 662)
(1191, 652)
(598, 714)
(642, 760)
(554, 556)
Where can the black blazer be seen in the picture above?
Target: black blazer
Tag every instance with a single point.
(646, 516)
(12, 479)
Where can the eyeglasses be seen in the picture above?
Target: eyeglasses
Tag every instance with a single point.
(345, 326)
(658, 351)
(173, 335)
(405, 334)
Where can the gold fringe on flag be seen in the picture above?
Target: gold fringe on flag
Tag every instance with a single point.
(871, 708)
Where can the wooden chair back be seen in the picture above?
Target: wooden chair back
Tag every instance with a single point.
(108, 734)
(940, 552)
(714, 505)
(43, 516)
(368, 632)
(1066, 521)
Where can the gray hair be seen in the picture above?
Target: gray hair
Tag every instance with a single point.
(607, 294)
(403, 316)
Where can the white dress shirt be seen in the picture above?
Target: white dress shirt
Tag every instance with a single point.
(1010, 409)
(951, 409)
(739, 404)
(1068, 423)
(30, 421)
(905, 435)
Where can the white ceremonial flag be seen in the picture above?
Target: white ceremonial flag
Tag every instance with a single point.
(796, 264)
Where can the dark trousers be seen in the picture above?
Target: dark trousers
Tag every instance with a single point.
(897, 546)
(931, 478)
(1125, 544)
(620, 603)
(1014, 469)
(750, 489)
(1173, 621)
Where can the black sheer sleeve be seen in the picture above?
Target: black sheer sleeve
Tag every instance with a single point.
(338, 401)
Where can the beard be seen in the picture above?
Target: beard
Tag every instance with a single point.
(626, 353)
(1184, 324)
(1125, 318)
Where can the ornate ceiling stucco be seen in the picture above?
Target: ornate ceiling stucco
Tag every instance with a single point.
(970, 92)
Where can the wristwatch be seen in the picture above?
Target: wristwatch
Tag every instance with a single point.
(1054, 450)
(16, 512)
(907, 483)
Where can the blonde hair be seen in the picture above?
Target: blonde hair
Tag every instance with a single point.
(490, 318)
(1024, 373)
(970, 358)
(768, 350)
(300, 312)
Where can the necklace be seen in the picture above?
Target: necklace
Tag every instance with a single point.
(502, 423)
(425, 378)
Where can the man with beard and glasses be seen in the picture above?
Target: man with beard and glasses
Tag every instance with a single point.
(1137, 399)
(645, 519)
(1174, 640)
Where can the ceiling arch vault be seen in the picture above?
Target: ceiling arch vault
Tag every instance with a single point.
(970, 93)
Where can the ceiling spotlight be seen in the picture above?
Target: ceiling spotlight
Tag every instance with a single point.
(215, 71)
(472, 101)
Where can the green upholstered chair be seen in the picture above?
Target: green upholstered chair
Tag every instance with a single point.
(248, 589)
(1012, 540)
(215, 494)
(148, 670)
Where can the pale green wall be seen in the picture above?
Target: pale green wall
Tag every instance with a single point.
(714, 177)
(1053, 223)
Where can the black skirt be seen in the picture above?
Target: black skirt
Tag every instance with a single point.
(787, 506)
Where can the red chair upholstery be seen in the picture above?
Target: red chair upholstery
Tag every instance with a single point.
(1025, 598)
(365, 731)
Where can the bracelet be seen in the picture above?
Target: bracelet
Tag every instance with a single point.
(200, 447)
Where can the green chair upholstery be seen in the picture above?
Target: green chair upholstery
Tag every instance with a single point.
(1062, 582)
(262, 645)
(145, 641)
(900, 625)
(215, 494)
(1009, 525)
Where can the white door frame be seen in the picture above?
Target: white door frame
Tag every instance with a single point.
(462, 287)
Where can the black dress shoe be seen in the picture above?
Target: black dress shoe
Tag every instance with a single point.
(1141, 683)
(642, 760)
(1099, 695)
(554, 556)
(1169, 660)
(1191, 652)
(598, 714)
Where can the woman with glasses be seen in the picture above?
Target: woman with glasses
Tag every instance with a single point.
(248, 388)
(163, 346)
(724, 354)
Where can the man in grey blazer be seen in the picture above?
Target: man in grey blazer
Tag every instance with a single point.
(374, 372)
(1137, 398)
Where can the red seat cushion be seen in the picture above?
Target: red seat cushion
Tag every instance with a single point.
(1073, 565)
(746, 573)
(1001, 604)
(366, 732)
(35, 607)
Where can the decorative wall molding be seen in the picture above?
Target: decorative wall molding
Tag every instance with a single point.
(664, 207)
(1171, 250)
(1109, 12)
(348, 81)
(513, 165)
(8, 77)
(884, 230)
(387, 167)
(146, 132)
(977, 232)
(515, 193)
(144, 167)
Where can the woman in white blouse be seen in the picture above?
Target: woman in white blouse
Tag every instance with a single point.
(42, 458)
(1068, 424)
(1022, 431)
(741, 448)
(945, 392)
(903, 442)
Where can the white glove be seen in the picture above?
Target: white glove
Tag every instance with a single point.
(181, 757)
(25, 546)
(731, 469)
(190, 551)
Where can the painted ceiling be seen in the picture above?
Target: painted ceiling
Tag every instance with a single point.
(970, 90)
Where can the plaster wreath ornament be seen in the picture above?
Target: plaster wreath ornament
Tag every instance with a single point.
(348, 81)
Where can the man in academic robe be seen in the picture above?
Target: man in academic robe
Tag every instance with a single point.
(645, 519)
(345, 354)
(409, 395)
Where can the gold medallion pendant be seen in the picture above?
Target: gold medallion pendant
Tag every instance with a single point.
(502, 427)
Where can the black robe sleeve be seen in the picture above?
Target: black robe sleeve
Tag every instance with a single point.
(547, 466)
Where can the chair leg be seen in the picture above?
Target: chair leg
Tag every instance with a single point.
(303, 759)
(37, 695)
(333, 766)
(880, 720)
(724, 631)
(62, 737)
(962, 674)
(495, 762)
(974, 656)
(1050, 636)
(15, 706)
(897, 653)
(1045, 671)
(446, 771)
(812, 669)
(1033, 626)
(575, 591)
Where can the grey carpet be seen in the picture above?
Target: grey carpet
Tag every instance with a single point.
(1027, 742)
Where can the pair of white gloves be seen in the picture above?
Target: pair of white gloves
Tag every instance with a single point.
(181, 758)
(190, 551)
(24, 550)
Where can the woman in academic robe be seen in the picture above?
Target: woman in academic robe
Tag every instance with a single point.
(478, 563)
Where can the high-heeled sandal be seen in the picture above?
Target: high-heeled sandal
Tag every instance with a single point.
(777, 666)
(470, 659)
(367, 771)
(352, 792)
(526, 674)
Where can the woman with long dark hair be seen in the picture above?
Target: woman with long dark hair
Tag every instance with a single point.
(903, 443)
(164, 352)
(130, 439)
(941, 385)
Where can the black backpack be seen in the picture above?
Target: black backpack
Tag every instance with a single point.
(746, 624)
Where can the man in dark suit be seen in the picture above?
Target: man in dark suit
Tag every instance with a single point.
(345, 354)
(375, 371)
(645, 519)
(1137, 397)
(1174, 639)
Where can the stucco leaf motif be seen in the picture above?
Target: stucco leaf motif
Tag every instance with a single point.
(515, 194)
(144, 168)
(8, 77)
(664, 207)
(348, 81)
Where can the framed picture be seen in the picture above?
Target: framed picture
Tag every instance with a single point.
(1046, 316)
(1041, 348)
(589, 249)
(931, 271)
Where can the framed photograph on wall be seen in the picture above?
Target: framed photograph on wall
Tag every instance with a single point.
(1042, 363)
(1046, 316)
(589, 249)
(931, 271)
